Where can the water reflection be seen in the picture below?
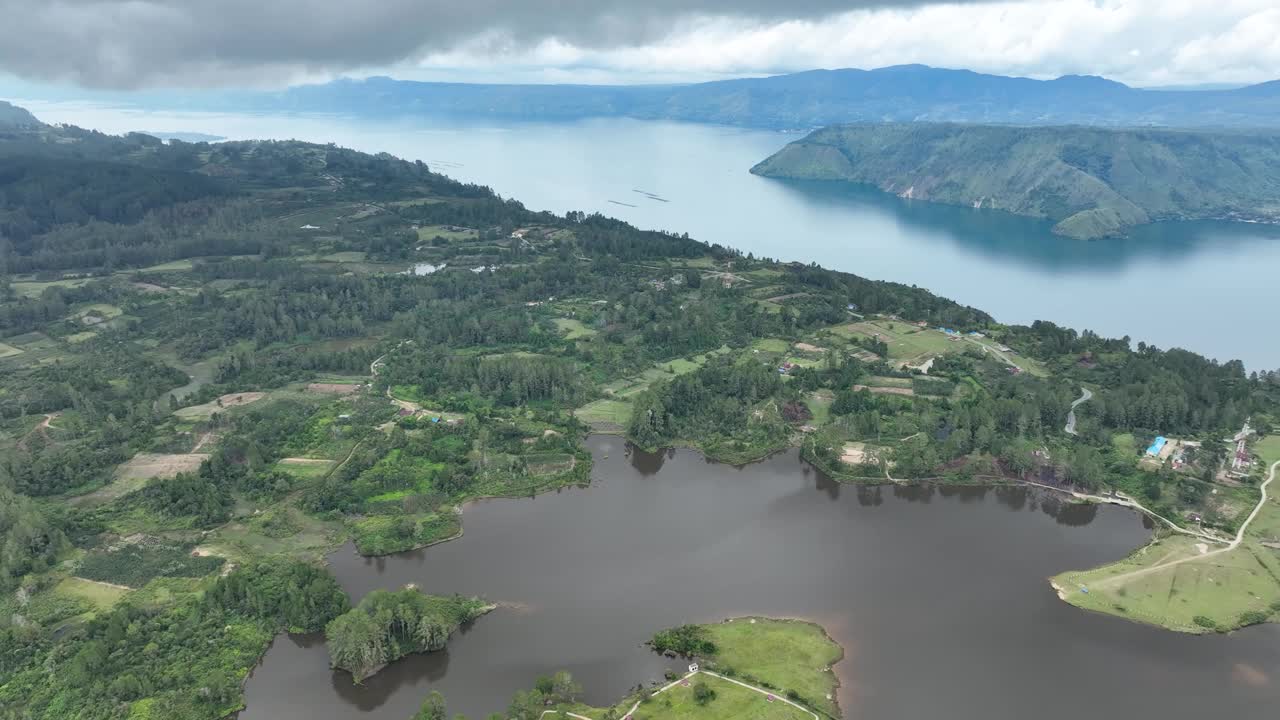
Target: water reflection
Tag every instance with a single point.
(904, 578)
(1015, 240)
(647, 463)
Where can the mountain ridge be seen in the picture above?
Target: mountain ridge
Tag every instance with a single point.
(804, 99)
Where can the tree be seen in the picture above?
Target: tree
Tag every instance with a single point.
(432, 708)
(702, 693)
(564, 688)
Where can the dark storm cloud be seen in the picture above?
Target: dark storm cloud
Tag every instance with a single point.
(130, 43)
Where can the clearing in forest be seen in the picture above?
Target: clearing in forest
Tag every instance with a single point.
(101, 594)
(149, 465)
(333, 388)
(573, 329)
(223, 403)
(856, 453)
(605, 415)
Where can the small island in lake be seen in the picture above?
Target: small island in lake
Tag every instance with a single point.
(387, 625)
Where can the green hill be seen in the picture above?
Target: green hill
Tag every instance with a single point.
(1091, 182)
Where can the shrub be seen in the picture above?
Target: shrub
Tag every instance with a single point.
(1205, 622)
(684, 640)
(702, 694)
(1252, 617)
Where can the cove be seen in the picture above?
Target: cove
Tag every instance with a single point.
(939, 596)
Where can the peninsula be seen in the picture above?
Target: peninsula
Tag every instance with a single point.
(1090, 182)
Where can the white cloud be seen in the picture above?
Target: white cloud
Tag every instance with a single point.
(1141, 42)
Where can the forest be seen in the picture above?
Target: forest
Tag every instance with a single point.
(220, 362)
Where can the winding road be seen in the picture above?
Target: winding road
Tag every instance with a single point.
(1085, 395)
(1118, 579)
(772, 695)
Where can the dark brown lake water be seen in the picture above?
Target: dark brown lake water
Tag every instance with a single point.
(938, 595)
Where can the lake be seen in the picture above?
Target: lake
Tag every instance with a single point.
(939, 596)
(1210, 287)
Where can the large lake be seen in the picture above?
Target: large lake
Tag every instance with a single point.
(939, 597)
(1210, 287)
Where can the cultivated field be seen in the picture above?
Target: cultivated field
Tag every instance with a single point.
(148, 465)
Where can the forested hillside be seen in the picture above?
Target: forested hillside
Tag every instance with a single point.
(1090, 182)
(219, 362)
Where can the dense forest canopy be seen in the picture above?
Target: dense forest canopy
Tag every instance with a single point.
(218, 362)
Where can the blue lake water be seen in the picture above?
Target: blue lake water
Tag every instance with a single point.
(1206, 286)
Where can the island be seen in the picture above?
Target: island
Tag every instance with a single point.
(1089, 182)
(218, 365)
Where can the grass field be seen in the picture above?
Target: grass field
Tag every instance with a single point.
(820, 405)
(427, 233)
(1268, 448)
(34, 289)
(222, 404)
(101, 310)
(626, 387)
(573, 329)
(80, 337)
(1149, 587)
(605, 414)
(102, 595)
(773, 345)
(787, 654)
(732, 702)
(346, 256)
(9, 351)
(282, 530)
(145, 466)
(906, 341)
(175, 266)
(305, 468)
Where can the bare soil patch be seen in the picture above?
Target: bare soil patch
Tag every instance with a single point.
(149, 465)
(806, 347)
(856, 454)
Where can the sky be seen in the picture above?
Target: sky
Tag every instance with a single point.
(194, 44)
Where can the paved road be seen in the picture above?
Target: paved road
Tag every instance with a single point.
(1085, 395)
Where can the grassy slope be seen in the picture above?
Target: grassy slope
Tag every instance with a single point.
(777, 655)
(1147, 586)
(1091, 182)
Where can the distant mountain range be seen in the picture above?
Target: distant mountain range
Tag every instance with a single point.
(1091, 182)
(799, 100)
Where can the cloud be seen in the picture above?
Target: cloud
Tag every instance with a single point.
(129, 43)
(200, 43)
(1142, 42)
